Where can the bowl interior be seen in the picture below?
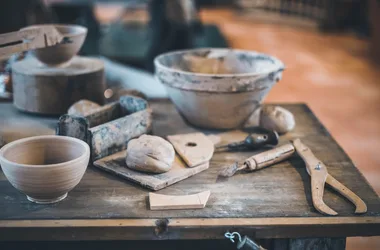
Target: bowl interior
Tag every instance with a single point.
(206, 60)
(65, 30)
(70, 30)
(43, 151)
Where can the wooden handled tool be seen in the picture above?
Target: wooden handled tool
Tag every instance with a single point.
(28, 39)
(261, 160)
(315, 168)
(253, 141)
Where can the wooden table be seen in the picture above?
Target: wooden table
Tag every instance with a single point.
(274, 203)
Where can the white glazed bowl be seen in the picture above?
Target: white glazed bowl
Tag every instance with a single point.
(45, 168)
(61, 53)
(221, 101)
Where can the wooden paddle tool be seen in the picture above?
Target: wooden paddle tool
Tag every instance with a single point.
(315, 168)
(28, 39)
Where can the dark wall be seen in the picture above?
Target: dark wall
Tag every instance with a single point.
(15, 14)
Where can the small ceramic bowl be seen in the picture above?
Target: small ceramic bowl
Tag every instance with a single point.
(45, 168)
(222, 101)
(60, 54)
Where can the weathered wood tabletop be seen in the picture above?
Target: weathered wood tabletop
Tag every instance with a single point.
(271, 203)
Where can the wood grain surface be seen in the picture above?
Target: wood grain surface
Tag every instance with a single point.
(280, 194)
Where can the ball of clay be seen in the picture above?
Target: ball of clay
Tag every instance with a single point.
(150, 154)
(277, 118)
(83, 108)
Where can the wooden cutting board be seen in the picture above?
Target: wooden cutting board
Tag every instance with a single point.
(115, 164)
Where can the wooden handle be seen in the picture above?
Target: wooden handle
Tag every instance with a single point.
(269, 157)
(360, 205)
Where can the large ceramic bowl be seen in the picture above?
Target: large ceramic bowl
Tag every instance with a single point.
(222, 101)
(45, 168)
(74, 36)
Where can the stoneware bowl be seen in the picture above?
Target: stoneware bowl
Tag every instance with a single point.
(60, 54)
(45, 168)
(221, 101)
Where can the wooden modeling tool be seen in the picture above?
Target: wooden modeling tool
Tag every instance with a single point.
(168, 202)
(315, 168)
(28, 39)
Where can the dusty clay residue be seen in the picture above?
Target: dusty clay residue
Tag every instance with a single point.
(219, 62)
(200, 81)
(218, 70)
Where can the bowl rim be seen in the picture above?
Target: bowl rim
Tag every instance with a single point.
(80, 30)
(43, 137)
(277, 62)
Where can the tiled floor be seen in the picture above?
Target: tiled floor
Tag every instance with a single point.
(329, 72)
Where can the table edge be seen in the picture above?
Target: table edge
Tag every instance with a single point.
(187, 228)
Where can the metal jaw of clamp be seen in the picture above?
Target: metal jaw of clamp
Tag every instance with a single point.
(319, 176)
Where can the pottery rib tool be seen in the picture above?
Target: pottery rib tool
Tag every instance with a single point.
(33, 38)
(253, 141)
(167, 202)
(194, 148)
(315, 168)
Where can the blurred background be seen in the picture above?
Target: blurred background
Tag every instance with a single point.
(331, 49)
